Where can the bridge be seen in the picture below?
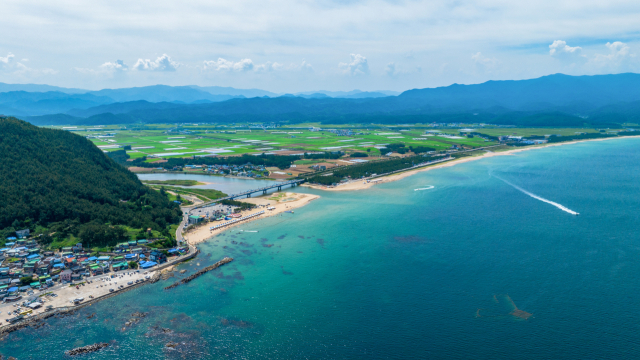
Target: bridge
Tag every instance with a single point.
(248, 193)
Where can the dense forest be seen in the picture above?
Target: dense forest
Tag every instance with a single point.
(370, 168)
(53, 181)
(279, 161)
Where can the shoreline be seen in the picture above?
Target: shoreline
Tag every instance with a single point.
(355, 185)
(288, 201)
(60, 306)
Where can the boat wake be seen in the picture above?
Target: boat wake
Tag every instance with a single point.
(425, 188)
(561, 207)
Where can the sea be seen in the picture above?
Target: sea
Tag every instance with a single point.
(534, 255)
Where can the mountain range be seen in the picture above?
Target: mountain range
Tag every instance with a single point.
(553, 100)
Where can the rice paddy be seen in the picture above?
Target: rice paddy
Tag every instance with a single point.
(163, 141)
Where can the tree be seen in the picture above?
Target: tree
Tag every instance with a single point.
(26, 280)
(133, 265)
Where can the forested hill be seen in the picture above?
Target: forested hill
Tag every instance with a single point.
(61, 181)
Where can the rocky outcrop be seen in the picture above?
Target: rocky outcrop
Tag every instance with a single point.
(226, 260)
(86, 349)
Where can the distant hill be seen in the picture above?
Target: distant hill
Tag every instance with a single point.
(50, 102)
(553, 100)
(56, 181)
(161, 93)
(39, 88)
(249, 93)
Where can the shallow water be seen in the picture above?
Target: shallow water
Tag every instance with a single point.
(473, 268)
(227, 185)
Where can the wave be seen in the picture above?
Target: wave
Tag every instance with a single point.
(429, 187)
(561, 207)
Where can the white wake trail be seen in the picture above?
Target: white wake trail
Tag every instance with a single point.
(429, 187)
(561, 207)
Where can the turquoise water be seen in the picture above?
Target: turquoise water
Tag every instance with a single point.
(395, 273)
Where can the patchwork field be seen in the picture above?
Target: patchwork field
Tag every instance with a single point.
(162, 141)
(168, 141)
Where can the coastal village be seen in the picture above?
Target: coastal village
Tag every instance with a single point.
(33, 280)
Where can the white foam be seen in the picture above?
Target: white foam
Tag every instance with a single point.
(429, 187)
(561, 207)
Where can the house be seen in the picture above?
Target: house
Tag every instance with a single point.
(65, 276)
(22, 234)
(77, 247)
(120, 266)
(194, 219)
(158, 257)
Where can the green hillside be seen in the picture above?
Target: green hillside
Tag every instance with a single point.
(55, 182)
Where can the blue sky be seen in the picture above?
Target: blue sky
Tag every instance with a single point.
(291, 46)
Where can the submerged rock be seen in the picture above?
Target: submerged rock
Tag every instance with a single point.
(86, 349)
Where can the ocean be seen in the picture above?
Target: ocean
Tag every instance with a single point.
(485, 263)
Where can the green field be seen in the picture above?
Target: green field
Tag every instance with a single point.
(160, 141)
(154, 143)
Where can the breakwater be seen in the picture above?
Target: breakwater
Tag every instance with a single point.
(201, 272)
(86, 349)
(35, 319)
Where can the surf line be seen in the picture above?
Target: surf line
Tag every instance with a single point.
(563, 208)
(425, 188)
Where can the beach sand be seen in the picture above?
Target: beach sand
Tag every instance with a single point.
(283, 201)
(361, 184)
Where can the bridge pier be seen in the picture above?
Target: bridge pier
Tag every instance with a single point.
(264, 192)
(248, 195)
(280, 188)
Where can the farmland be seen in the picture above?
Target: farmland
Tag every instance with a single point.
(158, 142)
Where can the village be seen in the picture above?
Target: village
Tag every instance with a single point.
(33, 280)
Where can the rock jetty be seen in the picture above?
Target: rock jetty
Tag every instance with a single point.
(86, 349)
(226, 260)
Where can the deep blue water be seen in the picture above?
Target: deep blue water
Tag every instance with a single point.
(395, 273)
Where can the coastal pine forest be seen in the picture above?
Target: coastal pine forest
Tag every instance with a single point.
(66, 190)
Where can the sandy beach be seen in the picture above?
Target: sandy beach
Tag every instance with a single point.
(283, 201)
(361, 185)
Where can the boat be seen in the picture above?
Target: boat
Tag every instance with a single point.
(289, 211)
(220, 218)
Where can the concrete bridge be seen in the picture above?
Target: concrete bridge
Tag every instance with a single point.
(247, 194)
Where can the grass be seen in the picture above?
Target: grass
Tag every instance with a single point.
(183, 201)
(67, 242)
(277, 197)
(202, 194)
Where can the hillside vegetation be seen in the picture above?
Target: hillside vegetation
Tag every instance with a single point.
(55, 182)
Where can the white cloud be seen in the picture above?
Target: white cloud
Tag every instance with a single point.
(619, 58)
(269, 66)
(117, 65)
(390, 69)
(306, 67)
(162, 63)
(4, 61)
(24, 70)
(227, 65)
(247, 65)
(560, 48)
(484, 63)
(357, 66)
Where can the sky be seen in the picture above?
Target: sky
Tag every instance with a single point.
(305, 45)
